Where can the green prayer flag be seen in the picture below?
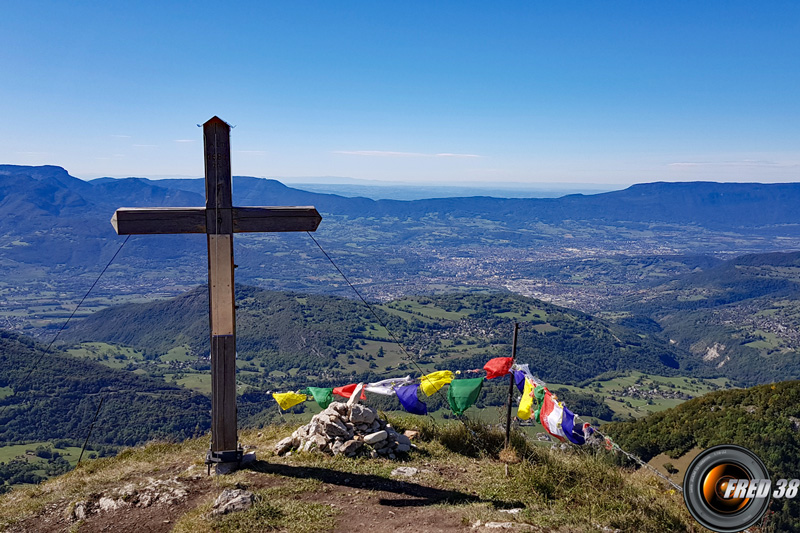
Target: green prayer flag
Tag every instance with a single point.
(538, 395)
(323, 396)
(463, 393)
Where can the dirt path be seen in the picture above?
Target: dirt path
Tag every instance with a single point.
(362, 502)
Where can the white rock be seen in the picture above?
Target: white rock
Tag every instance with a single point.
(232, 500)
(335, 428)
(339, 407)
(329, 412)
(361, 414)
(356, 395)
(379, 436)
(79, 511)
(284, 446)
(351, 446)
(404, 471)
(499, 525)
(319, 441)
(109, 504)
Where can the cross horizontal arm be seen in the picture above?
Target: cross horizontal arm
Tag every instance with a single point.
(162, 220)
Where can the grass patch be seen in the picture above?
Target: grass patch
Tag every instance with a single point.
(198, 382)
(545, 328)
(179, 353)
(267, 514)
(579, 489)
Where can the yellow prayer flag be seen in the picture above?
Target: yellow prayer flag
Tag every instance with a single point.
(288, 400)
(435, 381)
(525, 404)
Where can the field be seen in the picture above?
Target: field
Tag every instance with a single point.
(25, 464)
(27, 452)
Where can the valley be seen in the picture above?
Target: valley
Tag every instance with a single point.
(630, 302)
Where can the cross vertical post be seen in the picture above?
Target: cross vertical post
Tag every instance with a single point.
(222, 312)
(219, 220)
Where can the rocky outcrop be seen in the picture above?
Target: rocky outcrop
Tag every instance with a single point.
(153, 492)
(233, 500)
(348, 430)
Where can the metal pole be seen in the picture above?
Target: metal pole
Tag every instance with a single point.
(511, 385)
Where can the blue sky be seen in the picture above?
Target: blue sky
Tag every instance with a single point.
(425, 92)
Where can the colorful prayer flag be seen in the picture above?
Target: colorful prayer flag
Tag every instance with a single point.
(347, 391)
(408, 399)
(525, 404)
(551, 414)
(572, 428)
(538, 396)
(287, 400)
(435, 381)
(322, 395)
(463, 393)
(519, 379)
(387, 386)
(498, 367)
(525, 372)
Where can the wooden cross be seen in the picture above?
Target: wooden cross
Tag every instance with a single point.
(219, 220)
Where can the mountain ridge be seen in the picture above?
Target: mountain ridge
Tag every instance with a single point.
(646, 202)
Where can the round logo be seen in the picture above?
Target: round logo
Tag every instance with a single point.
(727, 488)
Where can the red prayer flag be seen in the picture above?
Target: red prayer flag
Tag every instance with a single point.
(348, 390)
(498, 367)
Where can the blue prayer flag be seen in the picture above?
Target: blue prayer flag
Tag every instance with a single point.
(519, 378)
(408, 399)
(572, 428)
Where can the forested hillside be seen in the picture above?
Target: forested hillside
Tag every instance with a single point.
(62, 394)
(326, 338)
(765, 419)
(742, 316)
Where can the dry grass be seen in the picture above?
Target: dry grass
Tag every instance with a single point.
(269, 513)
(578, 490)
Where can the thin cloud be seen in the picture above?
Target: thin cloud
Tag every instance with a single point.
(378, 153)
(184, 140)
(749, 163)
(385, 153)
(34, 153)
(146, 145)
(456, 155)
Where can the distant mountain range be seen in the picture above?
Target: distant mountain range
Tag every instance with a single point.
(55, 236)
(50, 190)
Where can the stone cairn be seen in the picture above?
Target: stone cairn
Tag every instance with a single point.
(347, 429)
